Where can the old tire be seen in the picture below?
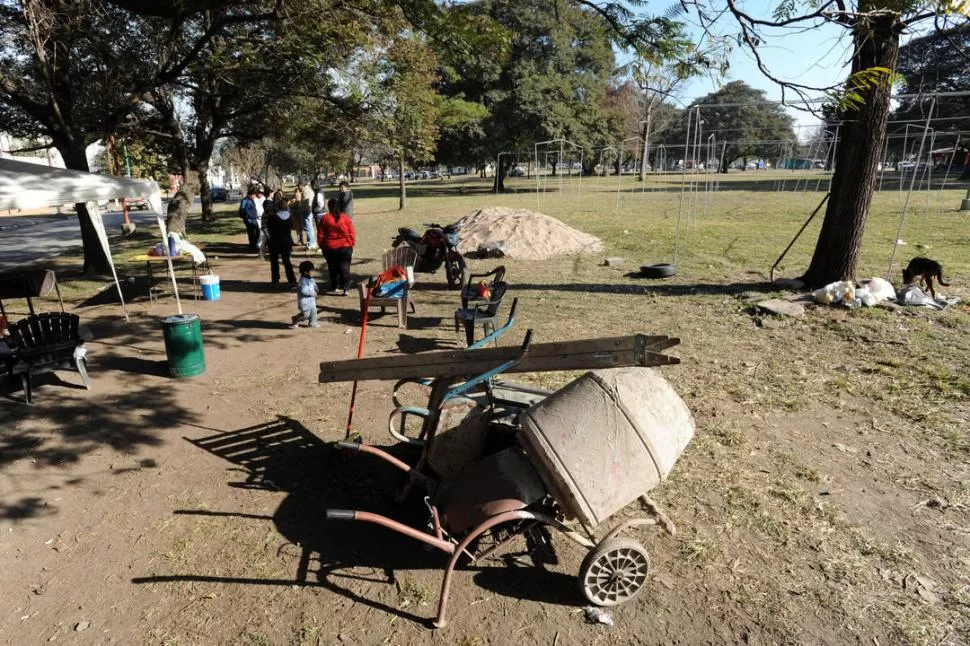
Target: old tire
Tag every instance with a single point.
(660, 270)
(614, 572)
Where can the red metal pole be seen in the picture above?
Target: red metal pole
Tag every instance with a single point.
(360, 355)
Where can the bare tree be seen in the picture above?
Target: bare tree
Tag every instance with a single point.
(862, 100)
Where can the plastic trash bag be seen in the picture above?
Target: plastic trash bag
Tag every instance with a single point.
(881, 289)
(836, 292)
(913, 295)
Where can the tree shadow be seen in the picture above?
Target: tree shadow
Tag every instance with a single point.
(408, 344)
(253, 286)
(66, 424)
(134, 365)
(228, 249)
(663, 289)
(283, 455)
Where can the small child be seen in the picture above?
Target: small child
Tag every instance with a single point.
(306, 297)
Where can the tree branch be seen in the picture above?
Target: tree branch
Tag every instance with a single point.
(31, 149)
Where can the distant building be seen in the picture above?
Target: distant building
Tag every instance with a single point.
(50, 157)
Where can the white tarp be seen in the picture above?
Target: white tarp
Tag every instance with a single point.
(30, 186)
(98, 223)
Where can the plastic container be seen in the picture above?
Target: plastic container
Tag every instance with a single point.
(172, 248)
(606, 439)
(183, 345)
(210, 287)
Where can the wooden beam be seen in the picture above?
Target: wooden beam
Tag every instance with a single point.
(616, 352)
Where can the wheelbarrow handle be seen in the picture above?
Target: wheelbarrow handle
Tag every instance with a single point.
(341, 514)
(350, 446)
(527, 343)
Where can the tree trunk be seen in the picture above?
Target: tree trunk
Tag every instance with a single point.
(642, 177)
(178, 212)
(96, 261)
(403, 185)
(857, 158)
(500, 171)
(205, 190)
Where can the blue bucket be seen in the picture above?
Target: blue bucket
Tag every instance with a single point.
(210, 287)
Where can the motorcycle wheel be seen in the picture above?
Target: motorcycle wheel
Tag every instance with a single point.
(454, 266)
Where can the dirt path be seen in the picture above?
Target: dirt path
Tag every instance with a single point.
(156, 511)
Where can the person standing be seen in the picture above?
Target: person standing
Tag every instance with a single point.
(296, 216)
(247, 211)
(337, 237)
(276, 221)
(306, 297)
(345, 200)
(318, 203)
(260, 201)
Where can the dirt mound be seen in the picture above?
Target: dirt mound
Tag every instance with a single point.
(527, 235)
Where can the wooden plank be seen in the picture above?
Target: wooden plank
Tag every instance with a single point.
(505, 353)
(636, 350)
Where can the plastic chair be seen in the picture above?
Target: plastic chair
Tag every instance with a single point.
(404, 256)
(483, 313)
(401, 302)
(467, 278)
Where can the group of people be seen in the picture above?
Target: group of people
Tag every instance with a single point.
(319, 224)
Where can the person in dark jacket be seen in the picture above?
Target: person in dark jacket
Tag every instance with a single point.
(345, 200)
(247, 209)
(337, 237)
(276, 223)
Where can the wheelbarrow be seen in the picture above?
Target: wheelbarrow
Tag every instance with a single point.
(575, 459)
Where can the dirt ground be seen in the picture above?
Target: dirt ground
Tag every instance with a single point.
(815, 505)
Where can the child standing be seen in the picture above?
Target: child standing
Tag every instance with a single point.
(306, 297)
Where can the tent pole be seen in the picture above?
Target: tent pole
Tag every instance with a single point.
(103, 238)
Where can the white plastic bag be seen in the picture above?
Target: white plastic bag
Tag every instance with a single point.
(881, 289)
(836, 292)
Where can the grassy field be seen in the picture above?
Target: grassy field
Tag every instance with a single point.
(824, 498)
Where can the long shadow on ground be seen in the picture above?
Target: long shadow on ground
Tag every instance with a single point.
(640, 286)
(282, 455)
(67, 421)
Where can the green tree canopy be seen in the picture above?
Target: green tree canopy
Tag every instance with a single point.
(739, 115)
(929, 64)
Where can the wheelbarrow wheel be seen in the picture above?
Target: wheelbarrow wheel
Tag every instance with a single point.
(614, 572)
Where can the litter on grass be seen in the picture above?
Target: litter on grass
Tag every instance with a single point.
(596, 615)
(845, 292)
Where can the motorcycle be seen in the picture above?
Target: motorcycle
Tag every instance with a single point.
(438, 246)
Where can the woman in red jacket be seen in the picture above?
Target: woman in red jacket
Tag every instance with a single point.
(337, 237)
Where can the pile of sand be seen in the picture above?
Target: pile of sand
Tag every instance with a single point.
(527, 235)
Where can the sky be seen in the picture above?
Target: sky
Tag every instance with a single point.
(815, 57)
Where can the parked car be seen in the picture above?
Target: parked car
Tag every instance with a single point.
(518, 171)
(137, 203)
(219, 194)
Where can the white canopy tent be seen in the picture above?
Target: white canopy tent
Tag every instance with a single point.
(31, 186)
(24, 185)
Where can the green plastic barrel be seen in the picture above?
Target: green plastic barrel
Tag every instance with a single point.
(183, 345)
